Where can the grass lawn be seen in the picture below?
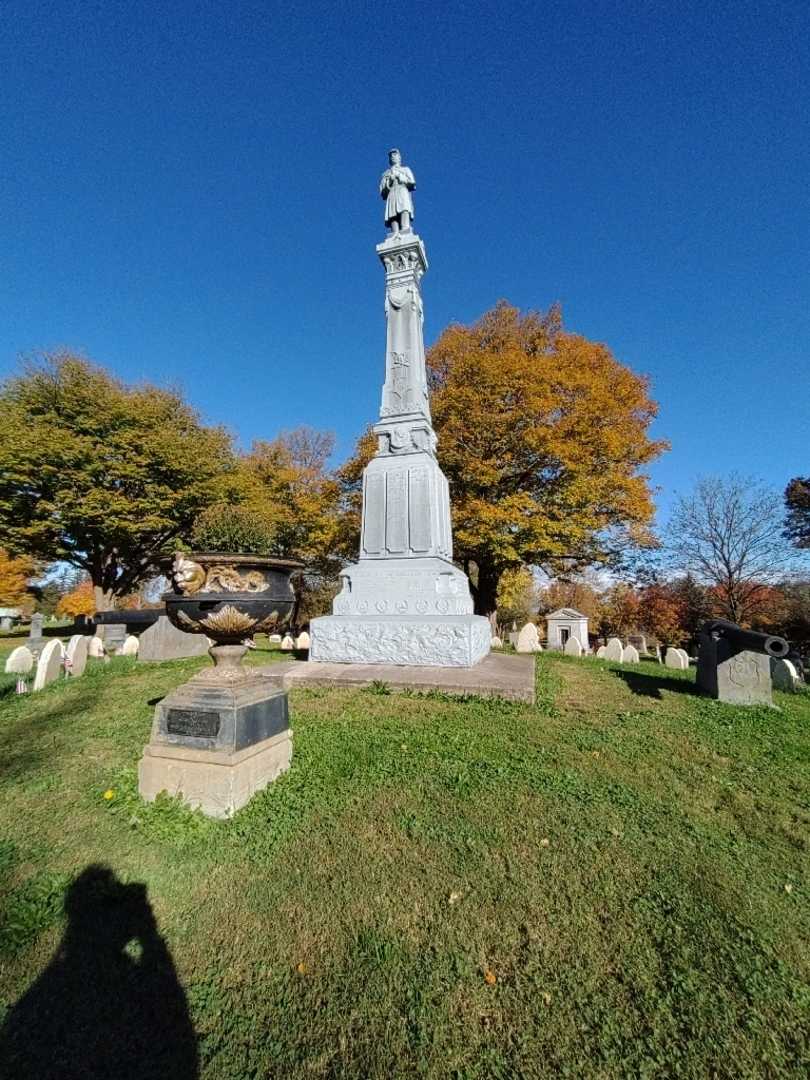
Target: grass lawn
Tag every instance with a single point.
(612, 883)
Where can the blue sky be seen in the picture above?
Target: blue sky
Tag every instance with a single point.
(189, 196)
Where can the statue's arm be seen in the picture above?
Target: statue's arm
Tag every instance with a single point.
(409, 178)
(385, 184)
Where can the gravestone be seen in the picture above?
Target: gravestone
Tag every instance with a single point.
(77, 653)
(49, 664)
(573, 647)
(96, 648)
(685, 656)
(600, 652)
(113, 635)
(302, 641)
(630, 655)
(36, 625)
(287, 643)
(639, 642)
(513, 638)
(163, 641)
(528, 640)
(677, 659)
(658, 656)
(614, 650)
(130, 646)
(274, 639)
(20, 661)
(784, 675)
(496, 642)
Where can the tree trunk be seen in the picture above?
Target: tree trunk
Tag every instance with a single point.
(486, 593)
(104, 599)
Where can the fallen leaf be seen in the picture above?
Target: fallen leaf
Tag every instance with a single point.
(301, 968)
(788, 888)
(454, 897)
(490, 978)
(546, 997)
(545, 842)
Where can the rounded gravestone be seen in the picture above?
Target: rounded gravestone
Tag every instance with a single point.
(676, 658)
(287, 643)
(614, 650)
(20, 661)
(630, 654)
(783, 675)
(302, 641)
(528, 640)
(130, 646)
(95, 648)
(685, 656)
(600, 652)
(572, 647)
(496, 642)
(77, 652)
(49, 664)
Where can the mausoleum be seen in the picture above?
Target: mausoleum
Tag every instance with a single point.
(564, 624)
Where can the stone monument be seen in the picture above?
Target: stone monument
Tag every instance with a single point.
(563, 625)
(403, 602)
(734, 665)
(163, 641)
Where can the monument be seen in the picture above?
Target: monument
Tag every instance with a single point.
(404, 601)
(734, 665)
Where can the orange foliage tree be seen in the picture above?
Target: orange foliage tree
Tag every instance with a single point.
(81, 600)
(543, 436)
(14, 575)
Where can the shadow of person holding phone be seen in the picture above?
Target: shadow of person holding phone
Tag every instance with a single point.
(109, 1004)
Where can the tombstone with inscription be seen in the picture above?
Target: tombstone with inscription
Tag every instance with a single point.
(404, 601)
(614, 650)
(734, 665)
(163, 641)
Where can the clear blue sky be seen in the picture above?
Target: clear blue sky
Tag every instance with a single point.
(189, 195)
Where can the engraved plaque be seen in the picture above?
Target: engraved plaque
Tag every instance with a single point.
(197, 723)
(395, 513)
(420, 510)
(374, 515)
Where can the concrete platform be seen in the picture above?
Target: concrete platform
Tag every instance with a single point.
(498, 675)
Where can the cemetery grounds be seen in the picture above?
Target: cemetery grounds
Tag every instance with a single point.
(612, 883)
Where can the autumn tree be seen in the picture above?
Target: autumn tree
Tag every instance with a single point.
(661, 614)
(81, 600)
(99, 474)
(518, 596)
(15, 574)
(797, 505)
(727, 535)
(544, 438)
(571, 593)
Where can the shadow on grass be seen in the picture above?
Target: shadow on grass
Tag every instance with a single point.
(651, 685)
(109, 1004)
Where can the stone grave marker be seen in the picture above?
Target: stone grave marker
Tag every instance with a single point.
(572, 647)
(784, 675)
(96, 648)
(677, 659)
(639, 642)
(528, 640)
(113, 635)
(630, 655)
(302, 641)
(49, 664)
(130, 646)
(287, 643)
(600, 652)
(614, 650)
(163, 641)
(496, 642)
(274, 639)
(19, 663)
(77, 652)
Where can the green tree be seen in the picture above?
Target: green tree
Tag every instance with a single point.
(797, 505)
(101, 475)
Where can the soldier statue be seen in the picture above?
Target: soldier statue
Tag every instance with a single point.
(396, 186)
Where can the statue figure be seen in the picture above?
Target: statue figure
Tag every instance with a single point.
(396, 186)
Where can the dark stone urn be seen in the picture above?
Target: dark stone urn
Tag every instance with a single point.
(230, 598)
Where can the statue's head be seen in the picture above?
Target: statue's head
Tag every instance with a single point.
(394, 157)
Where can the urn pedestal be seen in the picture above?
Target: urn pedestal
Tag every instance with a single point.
(223, 735)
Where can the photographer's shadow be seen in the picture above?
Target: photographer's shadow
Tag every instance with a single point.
(109, 1004)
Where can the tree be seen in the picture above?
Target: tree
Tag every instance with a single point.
(661, 613)
(104, 476)
(543, 436)
(727, 535)
(572, 593)
(797, 504)
(518, 595)
(79, 601)
(14, 576)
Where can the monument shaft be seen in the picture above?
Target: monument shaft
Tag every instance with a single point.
(403, 602)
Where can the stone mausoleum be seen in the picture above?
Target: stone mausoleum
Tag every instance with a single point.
(564, 624)
(403, 601)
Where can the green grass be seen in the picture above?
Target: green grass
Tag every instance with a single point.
(613, 883)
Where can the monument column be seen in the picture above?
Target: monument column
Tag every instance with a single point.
(403, 602)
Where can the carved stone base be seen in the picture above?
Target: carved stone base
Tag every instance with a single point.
(432, 641)
(217, 782)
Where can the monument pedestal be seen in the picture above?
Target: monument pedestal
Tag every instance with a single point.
(216, 742)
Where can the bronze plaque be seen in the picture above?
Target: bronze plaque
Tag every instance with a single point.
(197, 723)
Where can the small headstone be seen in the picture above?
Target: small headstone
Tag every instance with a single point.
(302, 641)
(113, 635)
(685, 656)
(630, 655)
(49, 664)
(274, 639)
(677, 659)
(784, 675)
(528, 640)
(614, 650)
(76, 658)
(658, 656)
(600, 652)
(20, 661)
(96, 648)
(130, 646)
(572, 647)
(287, 643)
(163, 641)
(36, 625)
(639, 642)
(496, 642)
